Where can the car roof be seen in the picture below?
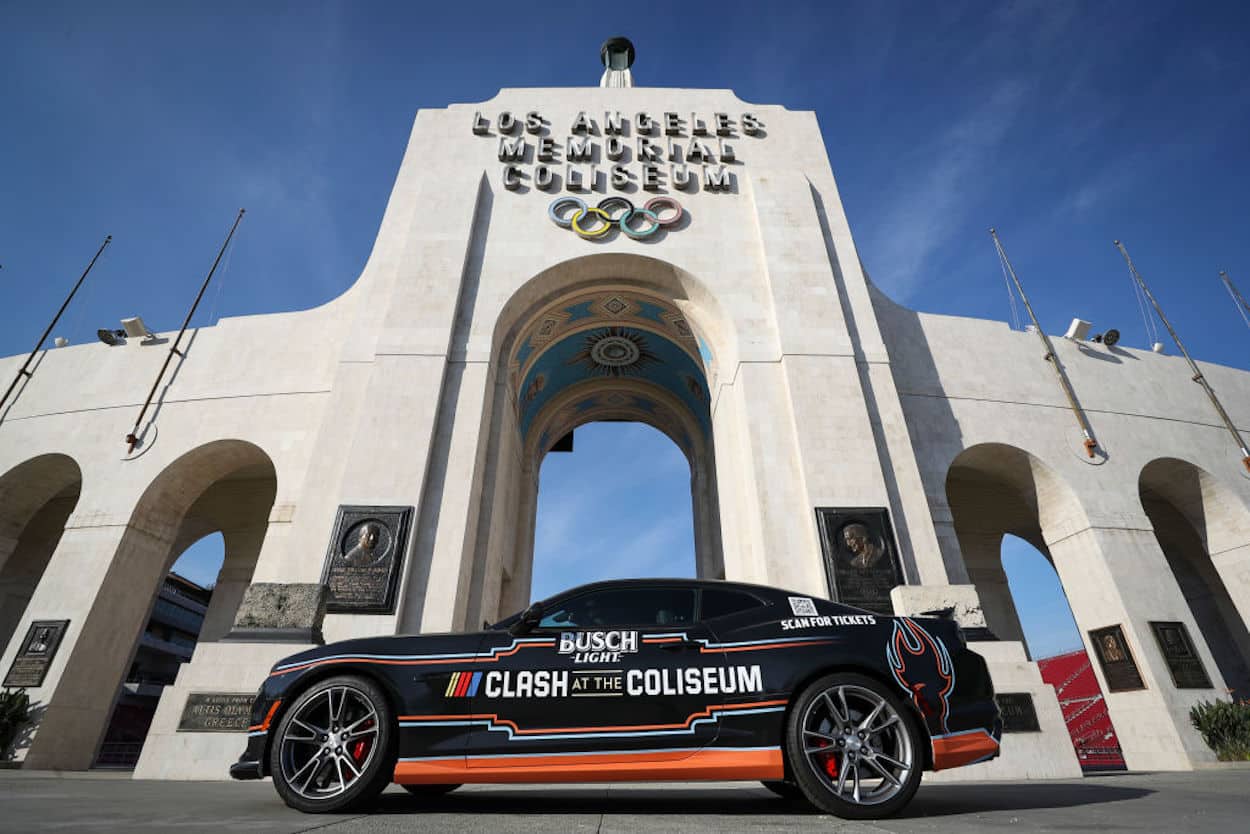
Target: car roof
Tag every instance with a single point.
(669, 582)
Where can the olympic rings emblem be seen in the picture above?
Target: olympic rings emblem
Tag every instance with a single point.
(593, 222)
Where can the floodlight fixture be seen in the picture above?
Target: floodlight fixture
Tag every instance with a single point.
(136, 329)
(1077, 330)
(60, 341)
(111, 338)
(1111, 338)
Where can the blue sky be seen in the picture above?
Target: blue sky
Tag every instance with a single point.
(1064, 124)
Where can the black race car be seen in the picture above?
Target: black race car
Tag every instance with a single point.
(634, 680)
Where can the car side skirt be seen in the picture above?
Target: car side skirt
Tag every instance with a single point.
(749, 764)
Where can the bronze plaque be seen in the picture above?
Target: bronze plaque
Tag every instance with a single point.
(30, 666)
(216, 712)
(365, 556)
(1118, 667)
(1178, 651)
(1018, 713)
(861, 561)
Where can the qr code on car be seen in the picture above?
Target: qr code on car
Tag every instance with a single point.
(803, 606)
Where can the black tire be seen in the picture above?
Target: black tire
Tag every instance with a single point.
(429, 791)
(824, 707)
(785, 790)
(309, 771)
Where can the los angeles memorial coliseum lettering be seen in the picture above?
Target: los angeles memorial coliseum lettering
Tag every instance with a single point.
(688, 152)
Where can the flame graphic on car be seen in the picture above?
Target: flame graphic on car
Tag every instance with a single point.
(923, 667)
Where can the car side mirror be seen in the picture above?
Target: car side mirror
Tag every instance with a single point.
(531, 617)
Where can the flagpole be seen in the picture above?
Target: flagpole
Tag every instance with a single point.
(132, 439)
(1193, 366)
(1232, 290)
(1066, 384)
(25, 371)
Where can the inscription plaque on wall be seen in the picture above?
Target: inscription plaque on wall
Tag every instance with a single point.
(1118, 667)
(30, 666)
(861, 561)
(216, 712)
(365, 556)
(1018, 713)
(1178, 651)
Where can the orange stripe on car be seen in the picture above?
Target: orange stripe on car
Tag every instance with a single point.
(709, 763)
(962, 748)
(264, 725)
(443, 661)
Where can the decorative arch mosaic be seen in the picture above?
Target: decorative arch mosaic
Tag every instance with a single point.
(610, 334)
(600, 308)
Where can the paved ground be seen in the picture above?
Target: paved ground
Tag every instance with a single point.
(1206, 801)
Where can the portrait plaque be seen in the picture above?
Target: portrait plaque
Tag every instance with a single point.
(861, 560)
(1018, 713)
(365, 556)
(1118, 667)
(217, 712)
(1178, 651)
(42, 640)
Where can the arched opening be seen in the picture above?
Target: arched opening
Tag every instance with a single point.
(1007, 507)
(168, 641)
(225, 486)
(600, 351)
(622, 493)
(36, 500)
(1204, 531)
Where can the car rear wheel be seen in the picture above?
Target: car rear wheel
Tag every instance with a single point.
(853, 747)
(334, 748)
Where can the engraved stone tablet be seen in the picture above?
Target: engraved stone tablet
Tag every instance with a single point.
(861, 561)
(1118, 667)
(1019, 715)
(30, 666)
(365, 556)
(1178, 651)
(216, 712)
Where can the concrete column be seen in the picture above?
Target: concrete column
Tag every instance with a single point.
(242, 549)
(984, 564)
(779, 509)
(107, 601)
(1233, 567)
(1118, 575)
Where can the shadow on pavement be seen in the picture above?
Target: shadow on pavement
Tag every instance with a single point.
(748, 802)
(942, 800)
(930, 801)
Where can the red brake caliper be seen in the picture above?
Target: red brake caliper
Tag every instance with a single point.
(830, 761)
(360, 749)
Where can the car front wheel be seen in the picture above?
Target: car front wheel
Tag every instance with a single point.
(334, 748)
(853, 747)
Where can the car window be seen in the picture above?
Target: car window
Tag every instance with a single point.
(720, 602)
(618, 607)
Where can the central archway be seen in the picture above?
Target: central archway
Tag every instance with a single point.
(613, 353)
(605, 338)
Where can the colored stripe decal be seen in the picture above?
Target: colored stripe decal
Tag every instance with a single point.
(493, 722)
(706, 763)
(463, 686)
(477, 679)
(493, 656)
(263, 727)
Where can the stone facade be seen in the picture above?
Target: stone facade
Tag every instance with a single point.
(809, 389)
